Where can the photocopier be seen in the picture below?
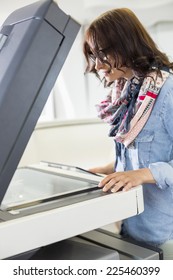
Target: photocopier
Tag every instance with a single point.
(50, 210)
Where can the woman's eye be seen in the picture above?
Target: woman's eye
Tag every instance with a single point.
(102, 55)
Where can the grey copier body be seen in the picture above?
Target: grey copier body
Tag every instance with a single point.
(43, 205)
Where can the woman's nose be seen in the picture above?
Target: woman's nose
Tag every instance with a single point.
(98, 64)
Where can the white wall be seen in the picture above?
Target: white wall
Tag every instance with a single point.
(83, 143)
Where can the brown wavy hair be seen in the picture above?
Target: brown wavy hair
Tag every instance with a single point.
(121, 33)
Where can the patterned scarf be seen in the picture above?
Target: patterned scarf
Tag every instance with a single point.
(129, 105)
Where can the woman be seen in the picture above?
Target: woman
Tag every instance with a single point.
(139, 109)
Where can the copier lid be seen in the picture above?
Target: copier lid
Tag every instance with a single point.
(34, 43)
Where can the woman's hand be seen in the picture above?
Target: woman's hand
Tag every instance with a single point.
(126, 180)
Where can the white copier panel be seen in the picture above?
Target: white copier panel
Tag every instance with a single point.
(45, 204)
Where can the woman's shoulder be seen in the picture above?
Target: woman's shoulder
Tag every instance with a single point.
(165, 96)
(165, 100)
(169, 81)
(167, 88)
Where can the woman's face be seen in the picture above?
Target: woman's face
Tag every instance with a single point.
(112, 74)
(104, 70)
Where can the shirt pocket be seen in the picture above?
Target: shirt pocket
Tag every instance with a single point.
(143, 144)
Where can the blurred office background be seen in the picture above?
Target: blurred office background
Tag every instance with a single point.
(75, 94)
(68, 127)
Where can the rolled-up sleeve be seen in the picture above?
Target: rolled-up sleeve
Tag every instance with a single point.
(162, 173)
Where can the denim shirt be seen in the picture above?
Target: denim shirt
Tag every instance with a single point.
(153, 149)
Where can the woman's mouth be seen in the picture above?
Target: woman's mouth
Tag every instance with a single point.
(104, 73)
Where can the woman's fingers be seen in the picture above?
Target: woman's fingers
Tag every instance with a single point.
(120, 180)
(126, 180)
(112, 182)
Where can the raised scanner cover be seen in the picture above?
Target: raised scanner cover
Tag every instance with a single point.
(34, 43)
